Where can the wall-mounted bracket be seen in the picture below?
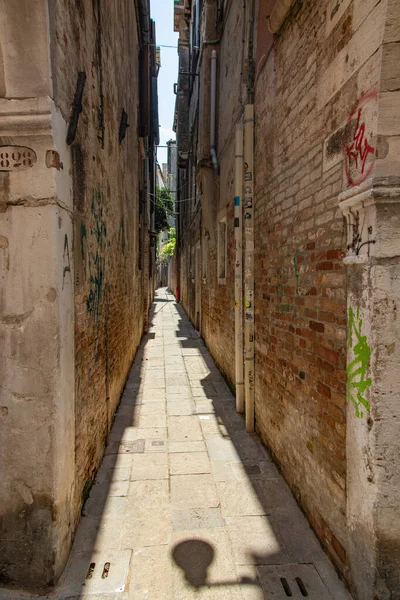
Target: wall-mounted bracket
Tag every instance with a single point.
(76, 108)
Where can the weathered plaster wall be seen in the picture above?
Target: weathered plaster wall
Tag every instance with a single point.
(372, 214)
(71, 293)
(36, 309)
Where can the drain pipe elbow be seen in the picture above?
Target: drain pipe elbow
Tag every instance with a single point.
(213, 110)
(214, 160)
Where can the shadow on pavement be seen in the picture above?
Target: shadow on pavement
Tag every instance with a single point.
(255, 530)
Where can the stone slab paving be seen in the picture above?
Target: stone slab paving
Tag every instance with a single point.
(186, 504)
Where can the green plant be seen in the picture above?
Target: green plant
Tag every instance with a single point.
(169, 247)
(164, 207)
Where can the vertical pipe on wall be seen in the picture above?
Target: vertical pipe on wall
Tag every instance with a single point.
(146, 232)
(239, 270)
(249, 264)
(213, 109)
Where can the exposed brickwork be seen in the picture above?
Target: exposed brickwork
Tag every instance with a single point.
(300, 293)
(316, 84)
(109, 300)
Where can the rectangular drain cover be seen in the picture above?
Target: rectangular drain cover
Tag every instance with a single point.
(292, 581)
(96, 573)
(136, 447)
(155, 445)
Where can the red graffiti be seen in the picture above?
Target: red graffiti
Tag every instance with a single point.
(359, 154)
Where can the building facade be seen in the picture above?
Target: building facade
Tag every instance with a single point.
(78, 124)
(288, 251)
(167, 179)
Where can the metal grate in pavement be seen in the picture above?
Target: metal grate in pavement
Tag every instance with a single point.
(292, 581)
(97, 573)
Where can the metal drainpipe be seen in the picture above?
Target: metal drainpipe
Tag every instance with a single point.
(213, 109)
(146, 236)
(249, 265)
(197, 42)
(239, 270)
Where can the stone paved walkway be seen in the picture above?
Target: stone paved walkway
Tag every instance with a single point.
(186, 504)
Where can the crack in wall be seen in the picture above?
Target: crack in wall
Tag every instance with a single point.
(35, 202)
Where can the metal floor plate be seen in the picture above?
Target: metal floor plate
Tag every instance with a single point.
(128, 447)
(292, 581)
(96, 573)
(134, 447)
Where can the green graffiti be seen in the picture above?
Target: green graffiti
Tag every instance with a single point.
(99, 229)
(94, 301)
(357, 382)
(285, 308)
(97, 246)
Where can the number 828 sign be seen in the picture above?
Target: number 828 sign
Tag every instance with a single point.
(16, 158)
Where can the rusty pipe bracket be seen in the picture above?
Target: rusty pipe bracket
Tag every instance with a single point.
(123, 125)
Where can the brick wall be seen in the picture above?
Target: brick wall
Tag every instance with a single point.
(300, 293)
(218, 318)
(320, 86)
(217, 297)
(109, 297)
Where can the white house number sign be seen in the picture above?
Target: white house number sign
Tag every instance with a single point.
(16, 158)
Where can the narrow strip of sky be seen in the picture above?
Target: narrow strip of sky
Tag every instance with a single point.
(162, 11)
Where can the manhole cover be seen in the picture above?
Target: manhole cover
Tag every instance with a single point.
(157, 443)
(293, 581)
(97, 573)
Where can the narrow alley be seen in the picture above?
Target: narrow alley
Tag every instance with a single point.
(199, 299)
(186, 504)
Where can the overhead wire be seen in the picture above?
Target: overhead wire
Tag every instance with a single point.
(163, 46)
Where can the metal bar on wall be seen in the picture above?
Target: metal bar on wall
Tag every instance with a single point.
(248, 213)
(238, 200)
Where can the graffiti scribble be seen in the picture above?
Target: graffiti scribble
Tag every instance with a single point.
(357, 382)
(359, 153)
(356, 234)
(98, 233)
(360, 148)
